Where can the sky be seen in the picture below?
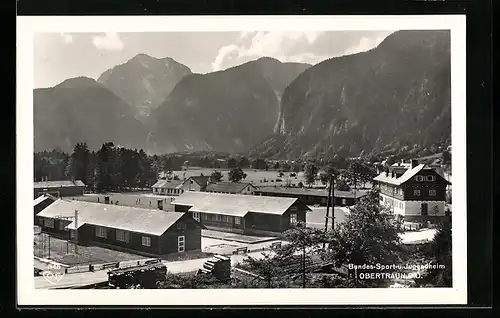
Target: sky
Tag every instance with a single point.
(59, 56)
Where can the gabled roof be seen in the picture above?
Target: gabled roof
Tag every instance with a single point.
(148, 221)
(168, 184)
(410, 173)
(58, 184)
(200, 180)
(234, 204)
(227, 186)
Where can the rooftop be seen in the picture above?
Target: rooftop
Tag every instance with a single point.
(233, 204)
(227, 186)
(58, 184)
(382, 177)
(168, 184)
(313, 192)
(148, 221)
(42, 198)
(201, 180)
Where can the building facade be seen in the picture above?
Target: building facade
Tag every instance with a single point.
(196, 183)
(141, 231)
(417, 195)
(313, 196)
(63, 188)
(41, 203)
(228, 187)
(244, 214)
(168, 187)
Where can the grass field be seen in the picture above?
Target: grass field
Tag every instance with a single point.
(256, 177)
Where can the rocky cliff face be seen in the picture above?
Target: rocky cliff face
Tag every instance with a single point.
(396, 95)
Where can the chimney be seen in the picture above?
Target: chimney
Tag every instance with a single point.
(392, 174)
(414, 163)
(386, 173)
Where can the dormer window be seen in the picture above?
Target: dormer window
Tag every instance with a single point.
(430, 178)
(419, 178)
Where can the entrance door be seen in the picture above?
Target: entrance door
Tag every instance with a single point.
(181, 241)
(424, 208)
(160, 204)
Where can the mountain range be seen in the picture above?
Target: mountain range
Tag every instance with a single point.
(144, 82)
(394, 96)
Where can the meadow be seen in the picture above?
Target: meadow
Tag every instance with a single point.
(256, 177)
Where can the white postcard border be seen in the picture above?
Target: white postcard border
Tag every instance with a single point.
(28, 295)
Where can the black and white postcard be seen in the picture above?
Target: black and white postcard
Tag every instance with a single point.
(221, 160)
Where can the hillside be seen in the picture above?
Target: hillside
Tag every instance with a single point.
(82, 110)
(396, 95)
(144, 81)
(226, 111)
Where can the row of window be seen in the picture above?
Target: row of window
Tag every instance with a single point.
(217, 218)
(425, 178)
(169, 191)
(417, 192)
(122, 236)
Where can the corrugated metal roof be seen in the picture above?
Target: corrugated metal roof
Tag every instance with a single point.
(168, 184)
(59, 184)
(312, 192)
(226, 186)
(233, 204)
(148, 221)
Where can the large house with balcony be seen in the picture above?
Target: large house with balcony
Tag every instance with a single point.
(259, 215)
(414, 191)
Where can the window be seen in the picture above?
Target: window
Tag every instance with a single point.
(196, 216)
(237, 220)
(40, 221)
(205, 216)
(344, 201)
(416, 192)
(217, 217)
(146, 241)
(419, 178)
(181, 226)
(101, 232)
(162, 190)
(49, 223)
(122, 236)
(227, 219)
(430, 178)
(432, 192)
(60, 225)
(293, 219)
(181, 244)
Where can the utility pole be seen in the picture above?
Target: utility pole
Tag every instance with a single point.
(328, 202)
(332, 190)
